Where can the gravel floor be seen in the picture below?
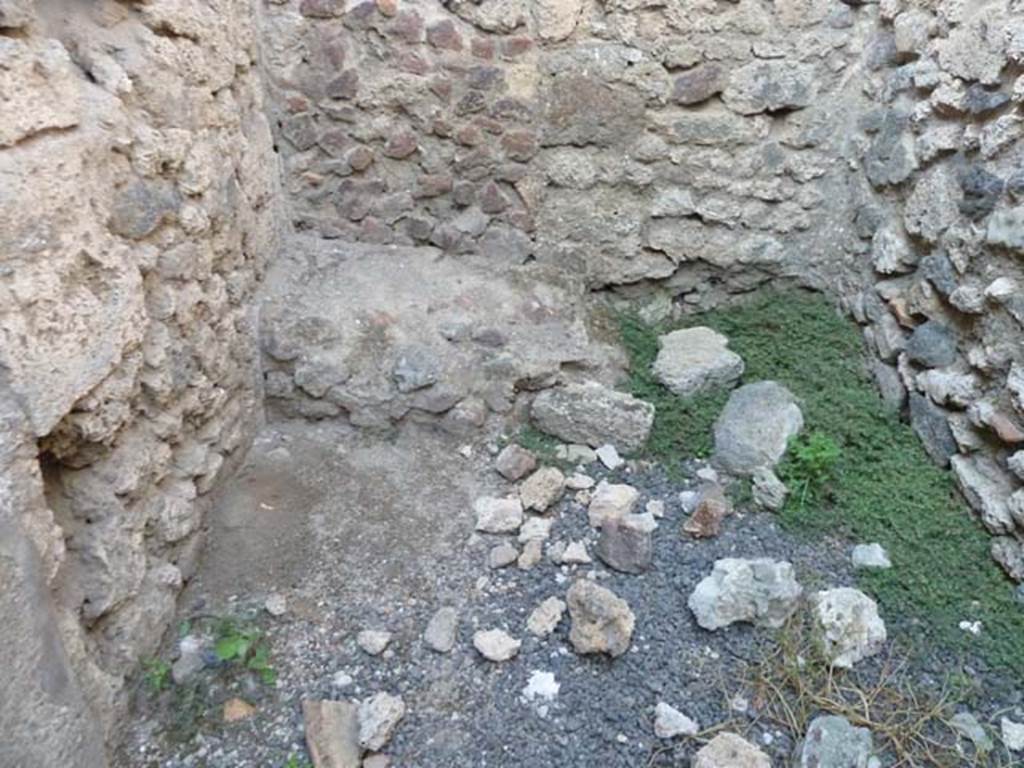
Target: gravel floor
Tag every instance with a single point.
(374, 543)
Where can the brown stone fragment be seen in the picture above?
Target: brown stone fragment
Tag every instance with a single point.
(514, 47)
(237, 709)
(712, 507)
(520, 145)
(1008, 430)
(444, 35)
(433, 185)
(408, 26)
(482, 48)
(360, 158)
(492, 199)
(401, 145)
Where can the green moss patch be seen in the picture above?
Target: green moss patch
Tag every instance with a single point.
(881, 486)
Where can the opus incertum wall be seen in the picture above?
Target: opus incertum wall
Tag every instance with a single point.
(684, 151)
(137, 193)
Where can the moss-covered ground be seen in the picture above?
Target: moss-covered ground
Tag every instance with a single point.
(882, 486)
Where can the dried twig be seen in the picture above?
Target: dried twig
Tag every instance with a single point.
(793, 683)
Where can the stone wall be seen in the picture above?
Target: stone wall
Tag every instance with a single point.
(942, 221)
(626, 140)
(137, 206)
(683, 152)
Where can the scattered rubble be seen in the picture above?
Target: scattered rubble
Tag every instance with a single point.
(764, 592)
(832, 741)
(542, 489)
(611, 500)
(870, 557)
(496, 644)
(727, 750)
(498, 515)
(332, 733)
(670, 723)
(850, 626)
(379, 715)
(515, 462)
(441, 632)
(373, 642)
(625, 543)
(546, 616)
(710, 507)
(601, 621)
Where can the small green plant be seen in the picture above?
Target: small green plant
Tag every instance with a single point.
(294, 761)
(815, 457)
(812, 463)
(244, 645)
(156, 674)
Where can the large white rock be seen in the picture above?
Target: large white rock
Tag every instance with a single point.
(755, 428)
(850, 626)
(594, 415)
(763, 592)
(695, 360)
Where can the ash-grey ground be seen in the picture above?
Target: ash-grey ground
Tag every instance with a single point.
(361, 533)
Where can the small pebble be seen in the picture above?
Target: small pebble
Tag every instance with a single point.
(870, 556)
(655, 507)
(707, 474)
(609, 456)
(276, 604)
(373, 642)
